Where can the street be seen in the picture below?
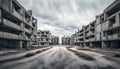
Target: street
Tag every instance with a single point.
(59, 57)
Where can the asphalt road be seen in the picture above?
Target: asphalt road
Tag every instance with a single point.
(61, 58)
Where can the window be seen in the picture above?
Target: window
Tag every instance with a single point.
(41, 39)
(104, 34)
(46, 39)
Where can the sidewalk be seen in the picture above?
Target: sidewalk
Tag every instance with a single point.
(19, 55)
(111, 54)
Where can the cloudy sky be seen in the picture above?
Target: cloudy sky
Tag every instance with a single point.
(64, 17)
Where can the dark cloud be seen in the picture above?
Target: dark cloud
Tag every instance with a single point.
(63, 17)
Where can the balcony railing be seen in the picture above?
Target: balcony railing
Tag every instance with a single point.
(11, 24)
(114, 25)
(92, 39)
(112, 37)
(7, 35)
(25, 37)
(27, 31)
(109, 27)
(16, 14)
(29, 23)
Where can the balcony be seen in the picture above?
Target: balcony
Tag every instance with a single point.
(16, 14)
(10, 24)
(92, 39)
(27, 31)
(113, 8)
(114, 26)
(29, 23)
(111, 27)
(91, 28)
(80, 37)
(7, 35)
(91, 33)
(112, 37)
(26, 38)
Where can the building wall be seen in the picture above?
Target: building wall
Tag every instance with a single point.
(43, 38)
(105, 33)
(16, 25)
(66, 40)
(55, 40)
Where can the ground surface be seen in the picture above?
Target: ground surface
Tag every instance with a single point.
(58, 57)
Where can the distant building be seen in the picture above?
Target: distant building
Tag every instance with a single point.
(55, 40)
(104, 32)
(66, 40)
(73, 39)
(18, 28)
(44, 38)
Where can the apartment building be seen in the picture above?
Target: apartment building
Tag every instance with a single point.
(104, 32)
(55, 40)
(18, 28)
(66, 40)
(111, 32)
(44, 38)
(73, 39)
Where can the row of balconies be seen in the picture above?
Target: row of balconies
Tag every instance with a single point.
(7, 35)
(109, 26)
(102, 24)
(10, 24)
(16, 14)
(87, 40)
(99, 37)
(11, 10)
(109, 37)
(113, 8)
(112, 37)
(86, 29)
(13, 25)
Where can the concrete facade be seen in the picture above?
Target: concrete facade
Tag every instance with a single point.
(66, 40)
(44, 38)
(18, 28)
(55, 40)
(104, 32)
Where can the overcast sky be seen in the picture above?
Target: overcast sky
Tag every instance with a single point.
(64, 17)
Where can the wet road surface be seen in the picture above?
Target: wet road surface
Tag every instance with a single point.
(61, 58)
